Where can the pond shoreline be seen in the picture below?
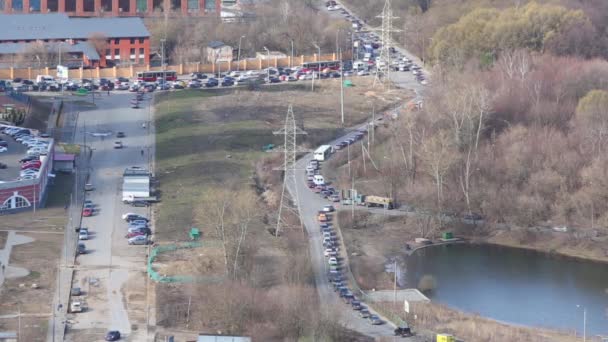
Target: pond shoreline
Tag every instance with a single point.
(497, 241)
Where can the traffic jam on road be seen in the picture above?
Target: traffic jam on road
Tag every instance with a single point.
(317, 183)
(366, 49)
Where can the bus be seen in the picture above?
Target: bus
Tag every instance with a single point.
(153, 76)
(322, 153)
(321, 66)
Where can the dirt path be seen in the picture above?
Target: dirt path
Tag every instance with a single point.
(7, 271)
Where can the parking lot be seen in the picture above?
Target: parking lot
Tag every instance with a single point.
(10, 158)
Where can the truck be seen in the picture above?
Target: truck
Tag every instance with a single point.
(129, 198)
(378, 201)
(352, 197)
(136, 185)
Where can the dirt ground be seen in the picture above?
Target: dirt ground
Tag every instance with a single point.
(468, 327)
(207, 139)
(40, 257)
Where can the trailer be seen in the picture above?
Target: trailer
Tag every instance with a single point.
(351, 196)
(136, 185)
(377, 201)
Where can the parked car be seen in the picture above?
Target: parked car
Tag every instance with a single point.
(364, 313)
(138, 240)
(132, 217)
(139, 204)
(112, 335)
(403, 332)
(375, 320)
(118, 144)
(120, 134)
(82, 249)
(86, 212)
(83, 234)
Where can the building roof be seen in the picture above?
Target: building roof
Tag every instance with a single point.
(214, 44)
(60, 26)
(81, 47)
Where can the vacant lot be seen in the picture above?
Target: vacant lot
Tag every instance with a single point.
(209, 152)
(40, 257)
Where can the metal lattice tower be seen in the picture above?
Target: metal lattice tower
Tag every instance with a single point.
(383, 72)
(289, 195)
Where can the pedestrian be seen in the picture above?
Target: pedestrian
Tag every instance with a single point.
(142, 152)
(2, 268)
(108, 92)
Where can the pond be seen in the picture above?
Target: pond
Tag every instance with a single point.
(516, 285)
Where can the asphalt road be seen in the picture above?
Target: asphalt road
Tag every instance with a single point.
(110, 261)
(311, 203)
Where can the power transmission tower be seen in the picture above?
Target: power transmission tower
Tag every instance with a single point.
(383, 66)
(290, 201)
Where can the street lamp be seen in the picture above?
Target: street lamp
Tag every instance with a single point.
(318, 65)
(162, 56)
(238, 58)
(584, 322)
(291, 61)
(268, 63)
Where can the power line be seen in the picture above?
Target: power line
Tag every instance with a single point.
(383, 66)
(290, 201)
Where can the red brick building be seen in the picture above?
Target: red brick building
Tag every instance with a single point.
(27, 194)
(112, 8)
(101, 41)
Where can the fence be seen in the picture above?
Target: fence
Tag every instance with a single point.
(178, 278)
(181, 69)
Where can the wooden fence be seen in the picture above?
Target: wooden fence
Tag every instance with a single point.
(181, 69)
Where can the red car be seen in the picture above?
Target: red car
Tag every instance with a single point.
(30, 166)
(86, 212)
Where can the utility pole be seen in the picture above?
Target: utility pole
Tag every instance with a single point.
(291, 61)
(289, 192)
(342, 88)
(319, 65)
(385, 41)
(238, 58)
(267, 63)
(162, 55)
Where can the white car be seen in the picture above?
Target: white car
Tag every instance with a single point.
(3, 149)
(362, 73)
(330, 252)
(328, 208)
(83, 235)
(32, 172)
(332, 261)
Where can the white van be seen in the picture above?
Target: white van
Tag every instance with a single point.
(44, 78)
(359, 65)
(318, 180)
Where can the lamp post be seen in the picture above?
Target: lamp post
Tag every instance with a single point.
(291, 61)
(337, 37)
(318, 65)
(162, 56)
(238, 58)
(267, 63)
(584, 322)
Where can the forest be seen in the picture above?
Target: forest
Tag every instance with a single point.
(515, 119)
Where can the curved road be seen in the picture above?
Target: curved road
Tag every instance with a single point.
(311, 203)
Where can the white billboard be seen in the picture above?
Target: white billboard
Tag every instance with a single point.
(62, 73)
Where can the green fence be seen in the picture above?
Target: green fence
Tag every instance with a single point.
(178, 278)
